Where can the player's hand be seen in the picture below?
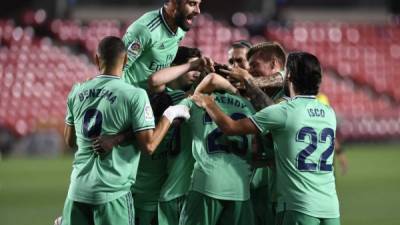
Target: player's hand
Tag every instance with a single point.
(58, 221)
(176, 111)
(237, 73)
(104, 144)
(203, 64)
(202, 100)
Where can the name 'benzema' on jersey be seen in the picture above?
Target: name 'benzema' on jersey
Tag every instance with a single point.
(152, 46)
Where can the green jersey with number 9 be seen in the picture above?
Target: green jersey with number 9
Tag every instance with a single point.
(105, 105)
(221, 170)
(303, 131)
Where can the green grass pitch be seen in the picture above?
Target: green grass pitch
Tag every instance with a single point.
(32, 191)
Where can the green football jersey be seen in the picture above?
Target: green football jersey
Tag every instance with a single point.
(266, 176)
(151, 46)
(179, 160)
(153, 170)
(303, 131)
(150, 177)
(179, 166)
(105, 105)
(221, 170)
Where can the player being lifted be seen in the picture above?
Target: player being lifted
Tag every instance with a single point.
(153, 39)
(152, 42)
(303, 131)
(99, 191)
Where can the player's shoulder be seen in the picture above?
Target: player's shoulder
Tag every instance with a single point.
(124, 87)
(148, 21)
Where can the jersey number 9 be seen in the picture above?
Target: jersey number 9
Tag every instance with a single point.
(92, 121)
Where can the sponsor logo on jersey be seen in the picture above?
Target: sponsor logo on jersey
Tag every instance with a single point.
(148, 113)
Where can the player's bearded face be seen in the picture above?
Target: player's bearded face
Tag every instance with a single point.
(186, 12)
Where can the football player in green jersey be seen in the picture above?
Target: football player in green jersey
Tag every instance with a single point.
(267, 61)
(155, 170)
(219, 192)
(169, 86)
(99, 191)
(152, 40)
(303, 131)
(175, 82)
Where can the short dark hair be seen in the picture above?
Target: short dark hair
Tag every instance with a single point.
(268, 50)
(110, 49)
(241, 44)
(305, 72)
(184, 54)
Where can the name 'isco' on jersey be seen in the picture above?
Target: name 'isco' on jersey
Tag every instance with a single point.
(303, 131)
(151, 46)
(101, 106)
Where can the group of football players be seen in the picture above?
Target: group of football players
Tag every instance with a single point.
(166, 136)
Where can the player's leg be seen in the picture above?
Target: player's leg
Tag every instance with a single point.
(271, 213)
(145, 217)
(77, 213)
(237, 213)
(291, 217)
(330, 221)
(170, 211)
(259, 200)
(118, 211)
(200, 209)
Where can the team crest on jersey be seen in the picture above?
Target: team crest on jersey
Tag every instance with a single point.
(134, 48)
(148, 113)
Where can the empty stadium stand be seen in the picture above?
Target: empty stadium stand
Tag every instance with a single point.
(360, 62)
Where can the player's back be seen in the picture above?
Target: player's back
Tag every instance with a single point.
(304, 163)
(219, 171)
(105, 105)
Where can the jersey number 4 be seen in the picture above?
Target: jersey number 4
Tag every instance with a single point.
(303, 154)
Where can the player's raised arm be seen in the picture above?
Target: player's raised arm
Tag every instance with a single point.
(213, 82)
(256, 95)
(224, 122)
(159, 79)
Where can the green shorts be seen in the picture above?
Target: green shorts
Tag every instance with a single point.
(170, 211)
(200, 209)
(145, 217)
(264, 209)
(118, 211)
(291, 217)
